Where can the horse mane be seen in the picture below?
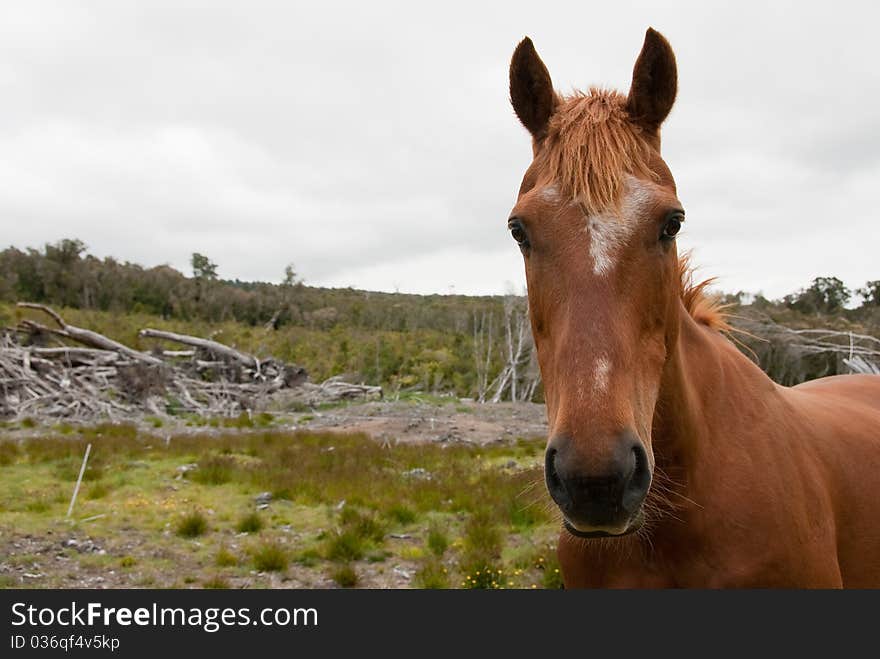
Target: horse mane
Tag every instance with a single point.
(704, 307)
(591, 145)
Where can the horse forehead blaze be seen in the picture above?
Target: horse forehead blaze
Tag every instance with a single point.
(610, 231)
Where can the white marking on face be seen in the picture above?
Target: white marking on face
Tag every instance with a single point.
(610, 231)
(607, 235)
(550, 194)
(602, 374)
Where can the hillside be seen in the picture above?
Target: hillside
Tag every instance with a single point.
(436, 343)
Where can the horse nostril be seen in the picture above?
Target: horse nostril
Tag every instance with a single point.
(554, 482)
(636, 486)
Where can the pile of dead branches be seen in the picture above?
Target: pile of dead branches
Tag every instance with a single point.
(64, 371)
(792, 355)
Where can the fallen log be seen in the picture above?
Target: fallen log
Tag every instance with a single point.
(88, 356)
(84, 336)
(206, 344)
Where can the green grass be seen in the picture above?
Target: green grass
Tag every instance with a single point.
(469, 517)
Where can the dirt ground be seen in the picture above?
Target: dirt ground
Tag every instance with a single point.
(408, 421)
(413, 421)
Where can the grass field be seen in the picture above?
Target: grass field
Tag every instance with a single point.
(272, 508)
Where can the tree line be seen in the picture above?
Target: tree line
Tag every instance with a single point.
(477, 347)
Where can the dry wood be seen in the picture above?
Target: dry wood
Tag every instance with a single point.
(84, 336)
(108, 379)
(205, 344)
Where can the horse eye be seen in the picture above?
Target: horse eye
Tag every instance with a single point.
(672, 227)
(518, 233)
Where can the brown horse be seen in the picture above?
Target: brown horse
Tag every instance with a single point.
(676, 462)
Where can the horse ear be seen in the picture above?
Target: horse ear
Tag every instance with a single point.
(531, 91)
(654, 82)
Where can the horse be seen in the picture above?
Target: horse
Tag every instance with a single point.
(673, 459)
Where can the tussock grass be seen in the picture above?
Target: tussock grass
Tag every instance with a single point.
(97, 491)
(191, 525)
(357, 534)
(480, 560)
(308, 558)
(250, 523)
(215, 470)
(216, 583)
(299, 467)
(432, 575)
(437, 540)
(225, 558)
(469, 511)
(401, 514)
(9, 453)
(345, 546)
(345, 576)
(270, 557)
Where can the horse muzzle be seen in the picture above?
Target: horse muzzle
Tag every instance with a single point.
(599, 503)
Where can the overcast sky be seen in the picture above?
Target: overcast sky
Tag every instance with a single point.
(372, 144)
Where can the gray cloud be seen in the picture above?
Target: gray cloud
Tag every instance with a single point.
(372, 144)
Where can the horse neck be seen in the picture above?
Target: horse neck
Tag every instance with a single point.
(706, 384)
